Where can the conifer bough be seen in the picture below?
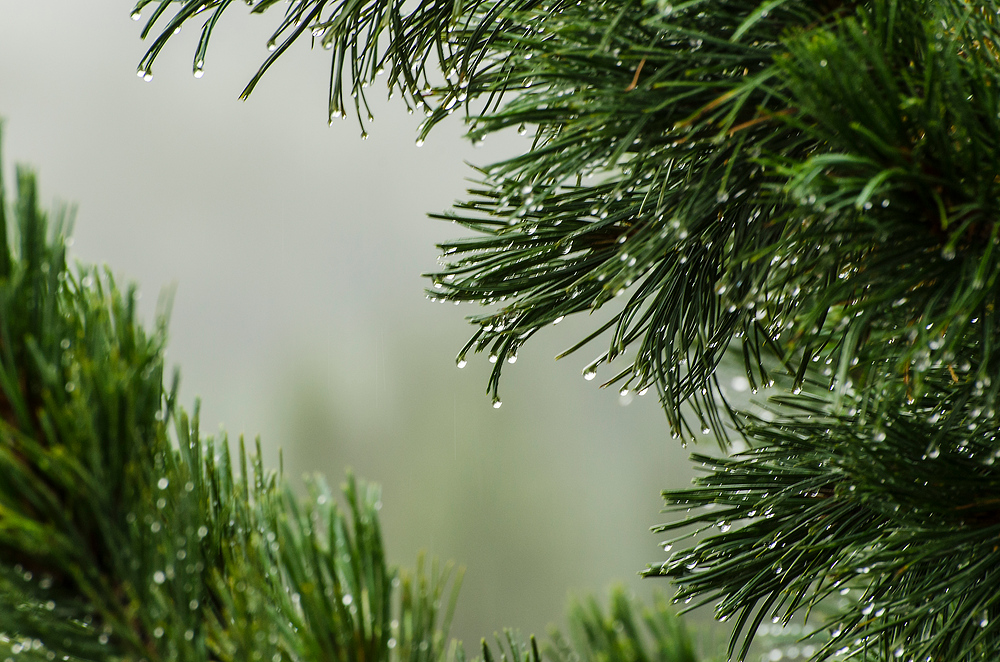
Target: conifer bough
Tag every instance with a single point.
(817, 181)
(812, 179)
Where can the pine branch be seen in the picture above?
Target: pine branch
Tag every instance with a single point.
(796, 176)
(120, 540)
(900, 515)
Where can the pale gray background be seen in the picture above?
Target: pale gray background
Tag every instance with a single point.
(297, 251)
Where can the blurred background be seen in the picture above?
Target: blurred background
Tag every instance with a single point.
(296, 251)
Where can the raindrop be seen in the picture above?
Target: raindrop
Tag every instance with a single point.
(461, 362)
(590, 374)
(136, 15)
(496, 402)
(162, 483)
(159, 577)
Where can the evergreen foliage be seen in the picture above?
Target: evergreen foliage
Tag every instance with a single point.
(811, 184)
(125, 534)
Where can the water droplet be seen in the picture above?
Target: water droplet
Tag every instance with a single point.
(948, 253)
(271, 46)
(496, 402)
(493, 358)
(590, 374)
(558, 319)
(461, 362)
(199, 72)
(162, 483)
(512, 358)
(158, 632)
(202, 531)
(136, 15)
(159, 577)
(347, 599)
(189, 634)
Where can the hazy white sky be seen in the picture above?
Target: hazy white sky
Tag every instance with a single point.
(299, 315)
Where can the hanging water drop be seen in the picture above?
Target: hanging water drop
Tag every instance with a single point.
(589, 374)
(496, 402)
